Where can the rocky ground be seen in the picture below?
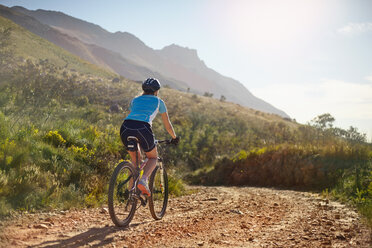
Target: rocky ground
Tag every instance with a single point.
(211, 217)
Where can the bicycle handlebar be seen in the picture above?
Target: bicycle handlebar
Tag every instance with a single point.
(168, 142)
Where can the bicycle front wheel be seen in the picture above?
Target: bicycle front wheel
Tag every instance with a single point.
(158, 200)
(121, 203)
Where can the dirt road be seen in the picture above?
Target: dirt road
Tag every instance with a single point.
(211, 217)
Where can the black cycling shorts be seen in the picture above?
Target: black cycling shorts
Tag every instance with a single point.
(139, 129)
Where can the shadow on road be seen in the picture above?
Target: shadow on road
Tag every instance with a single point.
(94, 237)
(97, 237)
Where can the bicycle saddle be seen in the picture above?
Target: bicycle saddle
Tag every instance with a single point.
(132, 143)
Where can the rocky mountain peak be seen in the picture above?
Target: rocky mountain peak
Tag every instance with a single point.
(189, 57)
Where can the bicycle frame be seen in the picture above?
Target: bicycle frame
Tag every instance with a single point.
(126, 190)
(134, 191)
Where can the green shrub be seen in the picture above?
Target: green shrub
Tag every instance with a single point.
(90, 133)
(82, 101)
(7, 151)
(95, 198)
(54, 138)
(5, 96)
(68, 197)
(4, 133)
(176, 185)
(5, 207)
(92, 115)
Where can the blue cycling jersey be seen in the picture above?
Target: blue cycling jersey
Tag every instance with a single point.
(145, 108)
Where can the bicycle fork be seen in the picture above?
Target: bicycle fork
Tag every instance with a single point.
(161, 176)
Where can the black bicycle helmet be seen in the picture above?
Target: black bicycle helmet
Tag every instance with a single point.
(151, 85)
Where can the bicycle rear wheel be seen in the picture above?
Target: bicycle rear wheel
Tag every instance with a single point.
(121, 203)
(158, 200)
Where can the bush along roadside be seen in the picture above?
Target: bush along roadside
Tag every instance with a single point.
(69, 166)
(345, 172)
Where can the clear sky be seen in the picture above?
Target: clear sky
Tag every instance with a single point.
(305, 57)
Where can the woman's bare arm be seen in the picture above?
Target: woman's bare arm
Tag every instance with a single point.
(168, 125)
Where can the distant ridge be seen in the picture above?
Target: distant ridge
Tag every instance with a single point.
(90, 52)
(122, 52)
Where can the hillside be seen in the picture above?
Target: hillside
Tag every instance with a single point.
(174, 70)
(26, 45)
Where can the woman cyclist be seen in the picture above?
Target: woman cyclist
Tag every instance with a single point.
(143, 110)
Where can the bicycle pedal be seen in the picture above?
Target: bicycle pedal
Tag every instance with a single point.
(143, 200)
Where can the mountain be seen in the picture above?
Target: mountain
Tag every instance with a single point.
(225, 86)
(176, 66)
(90, 52)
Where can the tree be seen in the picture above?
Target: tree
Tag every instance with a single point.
(222, 98)
(207, 94)
(324, 125)
(323, 121)
(354, 136)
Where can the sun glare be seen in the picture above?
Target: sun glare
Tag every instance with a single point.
(271, 24)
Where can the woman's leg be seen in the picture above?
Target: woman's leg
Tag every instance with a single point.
(133, 155)
(152, 157)
(133, 158)
(151, 163)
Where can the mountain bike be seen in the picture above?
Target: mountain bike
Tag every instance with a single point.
(124, 196)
